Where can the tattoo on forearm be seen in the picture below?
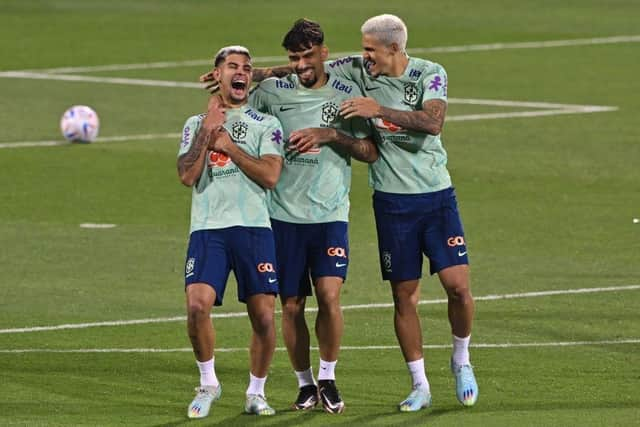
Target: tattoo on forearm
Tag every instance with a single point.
(359, 149)
(429, 120)
(188, 159)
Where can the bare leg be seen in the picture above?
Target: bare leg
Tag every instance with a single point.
(406, 321)
(329, 321)
(455, 281)
(263, 340)
(295, 332)
(200, 299)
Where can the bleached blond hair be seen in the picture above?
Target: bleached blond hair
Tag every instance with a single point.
(387, 29)
(228, 50)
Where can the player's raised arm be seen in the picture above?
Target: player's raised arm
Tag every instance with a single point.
(191, 163)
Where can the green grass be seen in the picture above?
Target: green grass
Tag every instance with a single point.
(547, 204)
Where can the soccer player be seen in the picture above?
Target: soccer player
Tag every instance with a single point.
(414, 202)
(231, 156)
(309, 206)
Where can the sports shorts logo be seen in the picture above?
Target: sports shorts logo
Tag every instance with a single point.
(410, 93)
(386, 261)
(266, 267)
(455, 241)
(329, 112)
(239, 131)
(218, 159)
(339, 252)
(189, 267)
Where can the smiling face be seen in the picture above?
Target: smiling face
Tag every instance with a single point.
(379, 58)
(308, 64)
(234, 75)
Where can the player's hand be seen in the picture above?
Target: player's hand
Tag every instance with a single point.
(360, 107)
(303, 140)
(215, 117)
(211, 84)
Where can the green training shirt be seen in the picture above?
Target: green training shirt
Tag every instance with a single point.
(314, 186)
(224, 196)
(409, 162)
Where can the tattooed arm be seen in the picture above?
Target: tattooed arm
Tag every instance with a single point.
(191, 163)
(259, 74)
(429, 120)
(363, 149)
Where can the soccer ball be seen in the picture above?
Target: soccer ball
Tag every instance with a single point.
(79, 124)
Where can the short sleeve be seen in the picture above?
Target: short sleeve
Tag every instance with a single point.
(346, 68)
(189, 132)
(434, 85)
(272, 139)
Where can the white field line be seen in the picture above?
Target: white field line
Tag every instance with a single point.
(314, 309)
(141, 137)
(91, 79)
(548, 109)
(515, 114)
(342, 348)
(411, 51)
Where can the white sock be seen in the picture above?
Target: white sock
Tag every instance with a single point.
(208, 373)
(256, 385)
(418, 375)
(460, 354)
(305, 378)
(327, 370)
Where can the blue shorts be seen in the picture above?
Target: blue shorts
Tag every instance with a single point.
(309, 250)
(248, 251)
(410, 225)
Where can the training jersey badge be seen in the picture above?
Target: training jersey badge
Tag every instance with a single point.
(410, 93)
(239, 131)
(329, 112)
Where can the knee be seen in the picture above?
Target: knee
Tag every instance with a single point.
(405, 298)
(459, 292)
(263, 323)
(329, 301)
(197, 310)
(292, 308)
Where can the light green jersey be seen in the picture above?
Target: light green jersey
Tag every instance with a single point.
(314, 186)
(224, 196)
(409, 162)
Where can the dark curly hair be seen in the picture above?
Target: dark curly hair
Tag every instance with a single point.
(303, 35)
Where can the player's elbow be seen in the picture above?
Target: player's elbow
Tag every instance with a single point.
(270, 181)
(434, 129)
(186, 179)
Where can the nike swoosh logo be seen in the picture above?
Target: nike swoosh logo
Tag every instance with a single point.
(271, 280)
(462, 253)
(369, 89)
(286, 108)
(340, 264)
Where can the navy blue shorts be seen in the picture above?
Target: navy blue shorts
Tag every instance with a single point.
(410, 225)
(309, 251)
(248, 251)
